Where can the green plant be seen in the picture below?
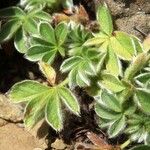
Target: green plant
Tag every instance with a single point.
(92, 61)
(44, 101)
(20, 25)
(116, 44)
(48, 43)
(51, 4)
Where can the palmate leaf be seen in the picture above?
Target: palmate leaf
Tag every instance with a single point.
(77, 37)
(112, 113)
(80, 68)
(21, 25)
(44, 101)
(47, 45)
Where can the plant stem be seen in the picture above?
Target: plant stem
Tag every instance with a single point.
(125, 144)
(66, 81)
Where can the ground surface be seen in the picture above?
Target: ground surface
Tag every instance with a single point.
(132, 16)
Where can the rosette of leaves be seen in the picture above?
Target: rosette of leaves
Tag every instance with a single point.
(117, 44)
(78, 35)
(82, 67)
(44, 101)
(19, 24)
(112, 114)
(83, 62)
(49, 43)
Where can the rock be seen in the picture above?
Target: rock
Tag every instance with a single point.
(9, 111)
(133, 24)
(58, 144)
(40, 131)
(14, 138)
(3, 122)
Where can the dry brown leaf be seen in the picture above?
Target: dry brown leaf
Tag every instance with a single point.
(80, 16)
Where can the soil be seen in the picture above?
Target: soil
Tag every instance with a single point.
(131, 16)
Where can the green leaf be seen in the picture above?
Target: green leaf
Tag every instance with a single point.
(117, 127)
(49, 57)
(30, 26)
(110, 101)
(36, 53)
(141, 147)
(11, 12)
(70, 63)
(38, 41)
(53, 112)
(113, 64)
(143, 98)
(61, 32)
(142, 79)
(9, 29)
(106, 113)
(69, 99)
(104, 19)
(19, 41)
(82, 76)
(41, 15)
(100, 63)
(95, 41)
(123, 45)
(112, 83)
(27, 90)
(129, 107)
(138, 44)
(47, 32)
(34, 111)
(79, 81)
(72, 78)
